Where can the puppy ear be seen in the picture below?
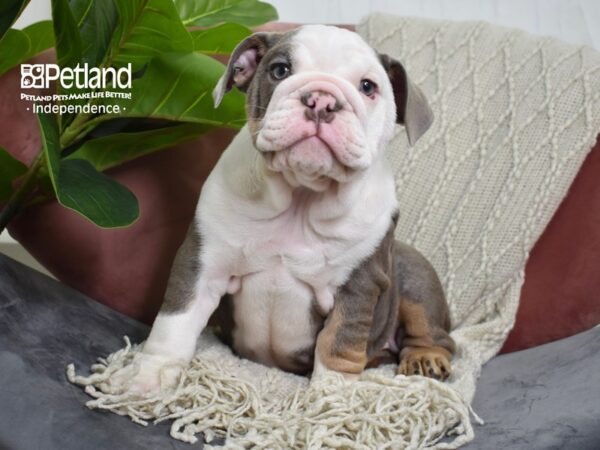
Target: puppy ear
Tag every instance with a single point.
(243, 63)
(412, 108)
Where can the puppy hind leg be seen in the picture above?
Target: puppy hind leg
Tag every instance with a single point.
(341, 347)
(426, 347)
(424, 318)
(382, 357)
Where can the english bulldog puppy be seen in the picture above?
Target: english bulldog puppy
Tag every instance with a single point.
(294, 231)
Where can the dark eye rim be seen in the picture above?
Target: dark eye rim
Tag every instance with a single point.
(372, 92)
(276, 65)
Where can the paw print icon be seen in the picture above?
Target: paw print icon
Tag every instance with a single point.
(32, 76)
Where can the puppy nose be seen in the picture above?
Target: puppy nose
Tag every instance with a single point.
(320, 106)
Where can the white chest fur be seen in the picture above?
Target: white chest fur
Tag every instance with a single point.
(252, 220)
(287, 246)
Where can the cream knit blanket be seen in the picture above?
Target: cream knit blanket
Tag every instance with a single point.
(515, 117)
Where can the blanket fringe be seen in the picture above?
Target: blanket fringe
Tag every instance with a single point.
(377, 411)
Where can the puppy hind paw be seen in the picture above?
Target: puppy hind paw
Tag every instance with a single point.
(432, 362)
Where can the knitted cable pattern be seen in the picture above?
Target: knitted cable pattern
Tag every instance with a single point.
(515, 117)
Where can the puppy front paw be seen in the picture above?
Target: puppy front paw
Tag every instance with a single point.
(433, 362)
(146, 374)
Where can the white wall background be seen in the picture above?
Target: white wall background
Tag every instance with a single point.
(576, 21)
(36, 10)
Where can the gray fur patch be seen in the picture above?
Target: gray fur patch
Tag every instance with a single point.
(420, 287)
(260, 90)
(184, 273)
(370, 304)
(370, 307)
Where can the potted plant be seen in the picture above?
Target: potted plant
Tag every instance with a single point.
(156, 57)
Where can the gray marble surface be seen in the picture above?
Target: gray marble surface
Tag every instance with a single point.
(44, 326)
(547, 397)
(543, 398)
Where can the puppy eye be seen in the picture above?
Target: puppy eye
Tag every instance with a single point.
(367, 87)
(279, 71)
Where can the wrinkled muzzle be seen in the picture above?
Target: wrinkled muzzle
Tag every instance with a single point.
(314, 127)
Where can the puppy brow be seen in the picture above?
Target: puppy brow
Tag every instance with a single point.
(280, 57)
(371, 74)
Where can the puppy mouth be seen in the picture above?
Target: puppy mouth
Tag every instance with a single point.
(315, 141)
(310, 154)
(309, 157)
(310, 145)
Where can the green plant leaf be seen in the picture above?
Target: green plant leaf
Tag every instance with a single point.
(220, 39)
(95, 196)
(179, 87)
(148, 28)
(206, 13)
(83, 30)
(50, 146)
(78, 186)
(109, 151)
(10, 10)
(66, 34)
(96, 21)
(10, 168)
(18, 46)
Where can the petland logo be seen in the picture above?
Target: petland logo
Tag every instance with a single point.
(84, 89)
(81, 77)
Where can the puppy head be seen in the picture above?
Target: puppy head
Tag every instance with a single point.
(321, 103)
